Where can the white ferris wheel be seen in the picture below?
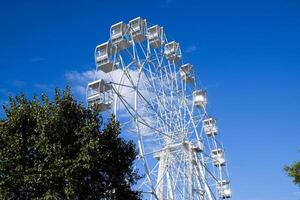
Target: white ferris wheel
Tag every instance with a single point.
(141, 78)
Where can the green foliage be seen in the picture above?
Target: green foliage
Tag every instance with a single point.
(294, 172)
(59, 150)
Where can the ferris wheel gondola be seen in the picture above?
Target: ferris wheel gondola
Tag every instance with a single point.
(153, 93)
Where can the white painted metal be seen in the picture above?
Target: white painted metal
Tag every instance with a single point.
(99, 95)
(172, 51)
(199, 98)
(186, 73)
(198, 146)
(210, 127)
(155, 97)
(119, 36)
(103, 58)
(218, 157)
(138, 29)
(155, 36)
(224, 189)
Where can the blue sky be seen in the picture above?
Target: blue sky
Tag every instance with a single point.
(246, 54)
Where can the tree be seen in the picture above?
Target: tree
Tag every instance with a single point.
(294, 172)
(61, 150)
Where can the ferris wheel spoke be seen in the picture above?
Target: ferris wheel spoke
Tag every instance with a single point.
(208, 171)
(151, 106)
(201, 162)
(121, 85)
(180, 185)
(130, 110)
(159, 98)
(207, 187)
(150, 172)
(141, 45)
(156, 98)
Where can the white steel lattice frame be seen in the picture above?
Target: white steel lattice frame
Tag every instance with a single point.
(167, 125)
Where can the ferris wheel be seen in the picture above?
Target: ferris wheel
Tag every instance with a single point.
(140, 77)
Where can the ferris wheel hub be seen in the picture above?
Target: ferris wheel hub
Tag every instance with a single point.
(154, 94)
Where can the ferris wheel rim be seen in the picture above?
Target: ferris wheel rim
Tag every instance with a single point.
(181, 116)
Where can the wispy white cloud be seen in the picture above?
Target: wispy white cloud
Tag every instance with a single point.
(166, 3)
(191, 49)
(44, 87)
(17, 83)
(79, 80)
(124, 84)
(75, 76)
(3, 91)
(36, 59)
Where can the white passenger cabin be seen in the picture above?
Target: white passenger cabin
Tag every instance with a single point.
(198, 146)
(99, 95)
(119, 36)
(199, 98)
(138, 28)
(172, 51)
(218, 157)
(155, 36)
(186, 73)
(103, 58)
(224, 189)
(210, 126)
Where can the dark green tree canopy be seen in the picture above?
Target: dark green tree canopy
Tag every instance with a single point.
(61, 150)
(294, 172)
